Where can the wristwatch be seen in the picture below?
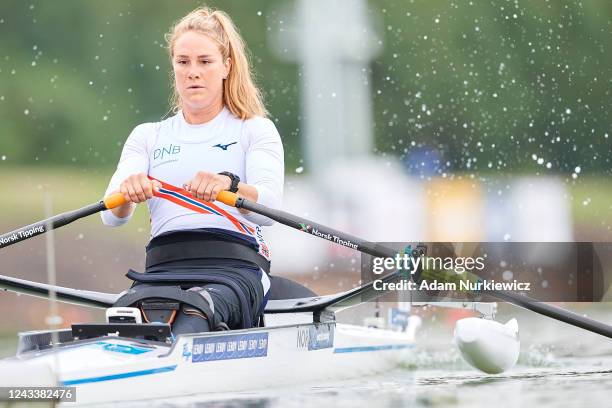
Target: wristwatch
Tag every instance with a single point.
(235, 180)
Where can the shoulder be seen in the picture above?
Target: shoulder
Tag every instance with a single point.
(144, 129)
(254, 131)
(147, 131)
(259, 128)
(259, 124)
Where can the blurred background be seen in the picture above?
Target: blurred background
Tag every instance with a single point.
(401, 120)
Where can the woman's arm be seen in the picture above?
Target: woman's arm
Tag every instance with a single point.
(134, 160)
(265, 167)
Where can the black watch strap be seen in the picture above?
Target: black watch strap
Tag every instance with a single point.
(235, 180)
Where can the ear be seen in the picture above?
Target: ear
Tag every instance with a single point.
(227, 65)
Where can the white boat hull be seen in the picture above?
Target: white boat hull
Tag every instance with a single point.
(117, 369)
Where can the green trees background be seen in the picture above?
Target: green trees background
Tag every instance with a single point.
(490, 86)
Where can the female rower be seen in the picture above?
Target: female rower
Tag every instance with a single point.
(207, 263)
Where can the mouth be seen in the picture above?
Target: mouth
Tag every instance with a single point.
(195, 87)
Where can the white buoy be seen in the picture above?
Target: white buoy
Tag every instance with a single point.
(488, 345)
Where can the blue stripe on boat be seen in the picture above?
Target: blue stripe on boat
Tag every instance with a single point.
(372, 348)
(119, 376)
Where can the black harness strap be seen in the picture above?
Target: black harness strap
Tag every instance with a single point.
(179, 246)
(204, 250)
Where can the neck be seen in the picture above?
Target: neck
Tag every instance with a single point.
(199, 116)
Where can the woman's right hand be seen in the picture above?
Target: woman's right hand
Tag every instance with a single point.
(138, 188)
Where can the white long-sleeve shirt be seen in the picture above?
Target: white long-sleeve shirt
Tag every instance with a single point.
(173, 151)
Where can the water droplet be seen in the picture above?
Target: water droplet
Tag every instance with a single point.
(299, 170)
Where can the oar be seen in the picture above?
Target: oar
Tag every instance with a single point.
(57, 221)
(376, 250)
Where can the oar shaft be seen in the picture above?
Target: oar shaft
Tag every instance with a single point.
(318, 230)
(59, 220)
(554, 312)
(381, 251)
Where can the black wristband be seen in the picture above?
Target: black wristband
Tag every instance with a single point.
(235, 180)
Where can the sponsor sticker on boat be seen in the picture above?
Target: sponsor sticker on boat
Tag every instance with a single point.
(229, 347)
(398, 318)
(315, 337)
(122, 348)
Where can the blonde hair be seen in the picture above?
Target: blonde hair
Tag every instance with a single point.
(240, 94)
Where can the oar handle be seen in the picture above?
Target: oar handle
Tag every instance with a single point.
(114, 201)
(228, 198)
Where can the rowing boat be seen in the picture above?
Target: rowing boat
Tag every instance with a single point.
(113, 367)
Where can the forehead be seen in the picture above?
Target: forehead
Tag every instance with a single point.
(193, 43)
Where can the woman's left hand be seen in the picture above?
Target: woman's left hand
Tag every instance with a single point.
(206, 186)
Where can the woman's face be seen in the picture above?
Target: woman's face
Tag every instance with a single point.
(199, 70)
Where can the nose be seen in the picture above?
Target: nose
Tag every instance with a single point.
(193, 72)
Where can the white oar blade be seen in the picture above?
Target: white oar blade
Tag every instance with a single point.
(488, 345)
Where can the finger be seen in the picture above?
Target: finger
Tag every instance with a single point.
(140, 194)
(195, 184)
(146, 185)
(135, 189)
(126, 194)
(215, 191)
(187, 186)
(209, 190)
(156, 185)
(131, 192)
(196, 179)
(193, 187)
(201, 190)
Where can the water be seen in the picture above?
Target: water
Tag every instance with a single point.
(567, 382)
